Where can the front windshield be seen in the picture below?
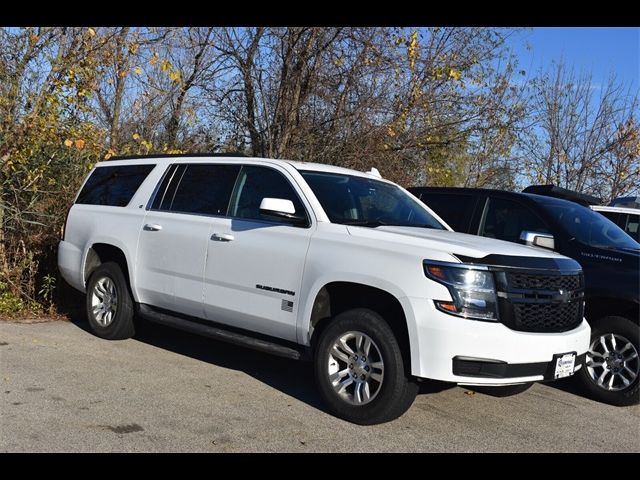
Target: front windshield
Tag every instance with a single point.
(587, 226)
(354, 200)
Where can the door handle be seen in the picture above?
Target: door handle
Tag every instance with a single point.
(152, 227)
(222, 237)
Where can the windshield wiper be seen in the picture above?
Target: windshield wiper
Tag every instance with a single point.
(366, 223)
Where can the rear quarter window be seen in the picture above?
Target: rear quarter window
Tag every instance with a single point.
(113, 186)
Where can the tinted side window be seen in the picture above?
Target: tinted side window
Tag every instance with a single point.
(505, 220)
(162, 189)
(256, 183)
(113, 186)
(455, 209)
(631, 226)
(203, 189)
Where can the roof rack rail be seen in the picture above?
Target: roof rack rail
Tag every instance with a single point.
(171, 155)
(559, 192)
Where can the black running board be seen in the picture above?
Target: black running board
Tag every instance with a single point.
(219, 333)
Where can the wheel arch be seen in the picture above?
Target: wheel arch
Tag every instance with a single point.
(601, 306)
(100, 252)
(333, 297)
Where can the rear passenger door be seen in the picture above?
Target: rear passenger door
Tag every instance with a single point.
(254, 263)
(175, 235)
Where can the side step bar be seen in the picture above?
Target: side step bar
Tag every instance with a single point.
(222, 334)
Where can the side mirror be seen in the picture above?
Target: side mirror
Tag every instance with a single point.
(283, 210)
(537, 239)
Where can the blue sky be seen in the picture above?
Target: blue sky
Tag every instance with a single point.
(596, 49)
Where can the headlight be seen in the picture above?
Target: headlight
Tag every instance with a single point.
(472, 289)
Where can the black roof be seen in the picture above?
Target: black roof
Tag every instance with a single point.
(526, 193)
(564, 193)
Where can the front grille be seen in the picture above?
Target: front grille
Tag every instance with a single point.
(544, 282)
(532, 302)
(549, 317)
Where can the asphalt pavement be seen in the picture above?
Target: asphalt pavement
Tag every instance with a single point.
(65, 390)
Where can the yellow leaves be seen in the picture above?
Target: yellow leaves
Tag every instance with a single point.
(338, 61)
(110, 153)
(455, 74)
(91, 32)
(153, 60)
(133, 48)
(146, 144)
(390, 131)
(78, 143)
(165, 65)
(175, 76)
(137, 70)
(412, 49)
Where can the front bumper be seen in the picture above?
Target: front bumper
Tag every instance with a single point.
(492, 369)
(487, 353)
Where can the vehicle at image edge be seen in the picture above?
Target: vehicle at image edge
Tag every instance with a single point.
(323, 263)
(609, 257)
(628, 219)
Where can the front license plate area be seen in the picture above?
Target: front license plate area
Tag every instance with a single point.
(564, 364)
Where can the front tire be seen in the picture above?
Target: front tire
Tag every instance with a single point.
(611, 372)
(360, 371)
(109, 303)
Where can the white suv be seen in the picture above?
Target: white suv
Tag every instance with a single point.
(318, 262)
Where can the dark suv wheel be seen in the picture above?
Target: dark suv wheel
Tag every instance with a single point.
(360, 371)
(612, 369)
(109, 303)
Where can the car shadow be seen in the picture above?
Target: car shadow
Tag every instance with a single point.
(291, 377)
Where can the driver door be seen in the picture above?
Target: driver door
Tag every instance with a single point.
(254, 265)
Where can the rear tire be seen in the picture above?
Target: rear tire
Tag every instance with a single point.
(606, 361)
(360, 371)
(109, 303)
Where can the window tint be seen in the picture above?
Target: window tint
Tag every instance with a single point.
(114, 186)
(454, 209)
(587, 226)
(162, 191)
(202, 189)
(505, 220)
(356, 200)
(631, 226)
(256, 183)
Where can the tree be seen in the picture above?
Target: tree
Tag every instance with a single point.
(582, 136)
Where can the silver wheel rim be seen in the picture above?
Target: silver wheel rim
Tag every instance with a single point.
(104, 301)
(355, 368)
(612, 362)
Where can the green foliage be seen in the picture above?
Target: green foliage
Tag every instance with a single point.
(47, 289)
(10, 304)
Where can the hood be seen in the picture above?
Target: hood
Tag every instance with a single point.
(449, 242)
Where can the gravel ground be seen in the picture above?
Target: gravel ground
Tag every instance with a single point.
(65, 390)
